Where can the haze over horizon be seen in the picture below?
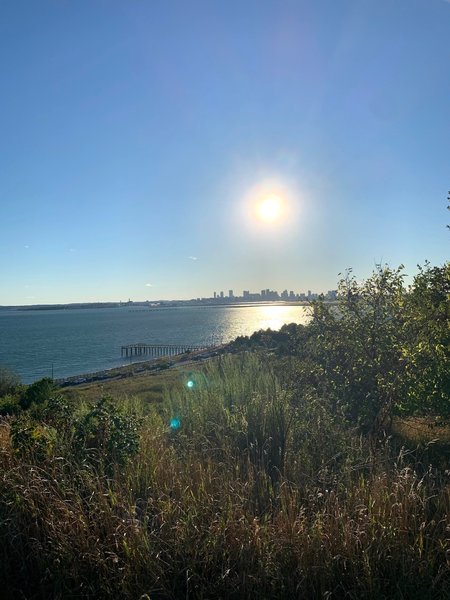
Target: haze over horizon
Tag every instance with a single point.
(155, 150)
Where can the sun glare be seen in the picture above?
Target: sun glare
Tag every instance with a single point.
(270, 209)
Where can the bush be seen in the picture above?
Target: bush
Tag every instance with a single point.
(106, 436)
(9, 381)
(9, 405)
(31, 438)
(38, 392)
(359, 345)
(426, 351)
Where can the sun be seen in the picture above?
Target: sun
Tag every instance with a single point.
(270, 209)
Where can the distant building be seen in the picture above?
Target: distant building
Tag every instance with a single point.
(215, 295)
(245, 294)
(230, 294)
(221, 294)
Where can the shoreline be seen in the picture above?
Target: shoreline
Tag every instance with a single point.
(136, 368)
(165, 304)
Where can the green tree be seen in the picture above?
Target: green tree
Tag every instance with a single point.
(358, 347)
(105, 435)
(427, 342)
(9, 381)
(38, 393)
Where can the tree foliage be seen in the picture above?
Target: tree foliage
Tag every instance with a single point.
(38, 392)
(9, 381)
(427, 342)
(359, 346)
(384, 349)
(104, 434)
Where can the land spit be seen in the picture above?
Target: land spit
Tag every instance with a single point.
(138, 367)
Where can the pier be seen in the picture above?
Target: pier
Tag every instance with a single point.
(158, 350)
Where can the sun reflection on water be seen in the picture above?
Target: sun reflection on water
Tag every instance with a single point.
(244, 320)
(274, 317)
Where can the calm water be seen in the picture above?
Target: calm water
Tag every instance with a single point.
(88, 340)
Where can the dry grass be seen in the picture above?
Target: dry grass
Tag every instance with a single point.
(255, 496)
(187, 526)
(5, 440)
(422, 429)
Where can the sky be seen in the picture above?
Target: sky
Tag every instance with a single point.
(136, 138)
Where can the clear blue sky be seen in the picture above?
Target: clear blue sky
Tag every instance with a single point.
(132, 134)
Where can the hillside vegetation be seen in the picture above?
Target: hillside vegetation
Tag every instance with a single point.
(281, 469)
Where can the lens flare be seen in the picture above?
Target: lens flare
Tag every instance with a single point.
(175, 424)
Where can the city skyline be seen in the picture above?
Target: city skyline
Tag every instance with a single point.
(268, 294)
(264, 295)
(159, 149)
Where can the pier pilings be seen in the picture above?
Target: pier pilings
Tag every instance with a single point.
(157, 350)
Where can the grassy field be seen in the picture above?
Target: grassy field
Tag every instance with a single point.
(235, 490)
(151, 386)
(142, 381)
(147, 386)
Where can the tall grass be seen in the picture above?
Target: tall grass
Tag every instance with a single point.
(257, 494)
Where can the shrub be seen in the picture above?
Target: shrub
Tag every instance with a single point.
(9, 405)
(426, 347)
(105, 435)
(359, 346)
(31, 438)
(38, 392)
(9, 381)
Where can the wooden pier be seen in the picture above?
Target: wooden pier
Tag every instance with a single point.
(158, 350)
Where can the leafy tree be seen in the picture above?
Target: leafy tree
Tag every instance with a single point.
(105, 435)
(426, 349)
(9, 381)
(9, 405)
(359, 346)
(38, 392)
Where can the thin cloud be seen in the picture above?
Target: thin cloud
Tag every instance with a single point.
(149, 285)
(192, 258)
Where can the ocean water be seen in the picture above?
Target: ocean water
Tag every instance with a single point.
(77, 341)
